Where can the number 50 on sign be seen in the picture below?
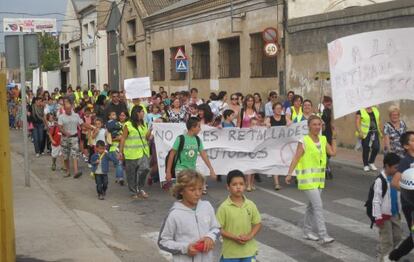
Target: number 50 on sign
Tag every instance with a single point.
(271, 49)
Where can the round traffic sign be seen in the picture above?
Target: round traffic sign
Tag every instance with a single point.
(271, 49)
(270, 35)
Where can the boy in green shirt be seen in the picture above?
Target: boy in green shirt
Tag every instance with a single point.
(187, 157)
(240, 221)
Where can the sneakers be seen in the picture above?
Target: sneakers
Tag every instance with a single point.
(366, 168)
(327, 240)
(101, 197)
(37, 155)
(277, 187)
(311, 236)
(373, 167)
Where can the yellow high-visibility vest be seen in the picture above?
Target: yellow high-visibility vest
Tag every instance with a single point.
(136, 145)
(78, 96)
(295, 114)
(366, 121)
(310, 170)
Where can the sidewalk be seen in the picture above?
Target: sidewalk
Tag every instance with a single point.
(48, 231)
(352, 158)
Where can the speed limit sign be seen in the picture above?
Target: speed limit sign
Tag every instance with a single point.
(271, 49)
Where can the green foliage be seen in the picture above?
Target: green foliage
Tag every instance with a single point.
(49, 52)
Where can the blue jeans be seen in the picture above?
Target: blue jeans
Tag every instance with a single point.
(101, 183)
(119, 172)
(38, 137)
(244, 259)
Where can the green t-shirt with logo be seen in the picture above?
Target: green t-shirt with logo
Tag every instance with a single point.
(189, 153)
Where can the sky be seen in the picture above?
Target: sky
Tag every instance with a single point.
(33, 8)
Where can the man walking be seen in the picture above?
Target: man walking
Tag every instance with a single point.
(114, 106)
(68, 125)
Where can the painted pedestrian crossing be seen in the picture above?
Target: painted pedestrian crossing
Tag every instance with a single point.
(350, 202)
(335, 250)
(345, 223)
(266, 253)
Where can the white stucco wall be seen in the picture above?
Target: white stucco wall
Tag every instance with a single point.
(70, 26)
(301, 8)
(101, 59)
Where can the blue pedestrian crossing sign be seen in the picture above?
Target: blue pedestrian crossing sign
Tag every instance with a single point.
(181, 66)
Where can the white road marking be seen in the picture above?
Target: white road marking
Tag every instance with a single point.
(280, 195)
(358, 204)
(336, 249)
(346, 223)
(266, 253)
(350, 202)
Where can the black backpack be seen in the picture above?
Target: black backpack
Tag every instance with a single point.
(177, 156)
(368, 203)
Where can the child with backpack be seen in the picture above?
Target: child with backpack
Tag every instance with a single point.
(383, 207)
(185, 151)
(190, 228)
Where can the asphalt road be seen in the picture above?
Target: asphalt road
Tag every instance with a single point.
(130, 227)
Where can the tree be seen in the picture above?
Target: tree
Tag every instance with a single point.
(49, 52)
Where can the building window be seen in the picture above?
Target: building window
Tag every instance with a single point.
(62, 52)
(201, 61)
(158, 66)
(260, 64)
(66, 52)
(131, 66)
(229, 57)
(85, 32)
(92, 28)
(131, 30)
(91, 77)
(174, 74)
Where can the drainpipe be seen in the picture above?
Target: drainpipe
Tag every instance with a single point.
(285, 24)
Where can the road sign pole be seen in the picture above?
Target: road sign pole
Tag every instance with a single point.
(24, 111)
(189, 76)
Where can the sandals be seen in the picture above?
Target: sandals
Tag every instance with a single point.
(143, 194)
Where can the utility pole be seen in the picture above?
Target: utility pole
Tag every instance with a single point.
(24, 111)
(7, 237)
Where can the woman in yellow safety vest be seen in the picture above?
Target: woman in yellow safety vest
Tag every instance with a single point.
(295, 113)
(310, 164)
(369, 131)
(135, 151)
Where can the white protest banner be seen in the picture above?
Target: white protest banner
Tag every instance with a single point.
(261, 150)
(137, 87)
(371, 68)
